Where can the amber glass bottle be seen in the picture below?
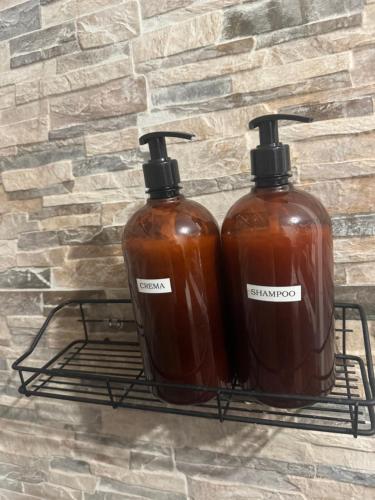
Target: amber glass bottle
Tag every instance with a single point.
(172, 251)
(277, 246)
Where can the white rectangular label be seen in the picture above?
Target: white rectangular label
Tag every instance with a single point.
(274, 293)
(154, 286)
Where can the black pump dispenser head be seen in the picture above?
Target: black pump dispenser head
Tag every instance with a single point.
(161, 173)
(270, 161)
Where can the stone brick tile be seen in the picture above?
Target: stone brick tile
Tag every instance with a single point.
(53, 13)
(357, 249)
(108, 272)
(105, 196)
(70, 465)
(316, 9)
(107, 163)
(150, 9)
(144, 490)
(10, 207)
(299, 71)
(109, 142)
(20, 302)
(249, 97)
(335, 170)
(345, 475)
(362, 273)
(38, 240)
(19, 19)
(93, 126)
(93, 252)
(192, 91)
(88, 6)
(7, 254)
(4, 57)
(198, 32)
(95, 235)
(229, 156)
(24, 112)
(203, 489)
(92, 235)
(26, 132)
(318, 489)
(334, 127)
(255, 18)
(333, 109)
(272, 38)
(11, 485)
(4, 495)
(364, 65)
(81, 482)
(25, 278)
(39, 177)
(177, 15)
(70, 221)
(33, 72)
(12, 224)
(27, 194)
(336, 148)
(29, 444)
(354, 225)
(43, 44)
(219, 206)
(25, 474)
(7, 96)
(345, 196)
(71, 62)
(109, 26)
(52, 491)
(43, 153)
(28, 92)
(205, 69)
(86, 77)
(48, 212)
(216, 125)
(119, 212)
(200, 54)
(111, 99)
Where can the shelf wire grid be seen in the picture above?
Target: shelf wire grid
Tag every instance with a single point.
(111, 372)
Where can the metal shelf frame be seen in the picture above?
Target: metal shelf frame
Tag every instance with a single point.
(110, 372)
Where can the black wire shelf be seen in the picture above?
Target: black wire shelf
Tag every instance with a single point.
(110, 372)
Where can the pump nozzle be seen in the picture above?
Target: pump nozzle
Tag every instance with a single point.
(157, 145)
(161, 172)
(268, 126)
(270, 161)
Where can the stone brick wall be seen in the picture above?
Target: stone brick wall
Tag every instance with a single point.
(80, 80)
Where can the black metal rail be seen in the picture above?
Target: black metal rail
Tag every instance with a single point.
(110, 372)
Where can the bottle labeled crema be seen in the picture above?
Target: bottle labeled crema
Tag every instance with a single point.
(172, 251)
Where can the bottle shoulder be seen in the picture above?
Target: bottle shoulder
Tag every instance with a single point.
(289, 206)
(165, 219)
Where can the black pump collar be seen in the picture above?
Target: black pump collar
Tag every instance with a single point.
(270, 161)
(162, 178)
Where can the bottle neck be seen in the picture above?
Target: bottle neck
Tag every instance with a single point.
(164, 200)
(272, 182)
(164, 193)
(283, 188)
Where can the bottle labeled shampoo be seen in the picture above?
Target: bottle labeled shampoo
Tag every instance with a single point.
(172, 251)
(277, 246)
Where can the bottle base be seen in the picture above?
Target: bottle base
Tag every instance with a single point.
(182, 396)
(295, 403)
